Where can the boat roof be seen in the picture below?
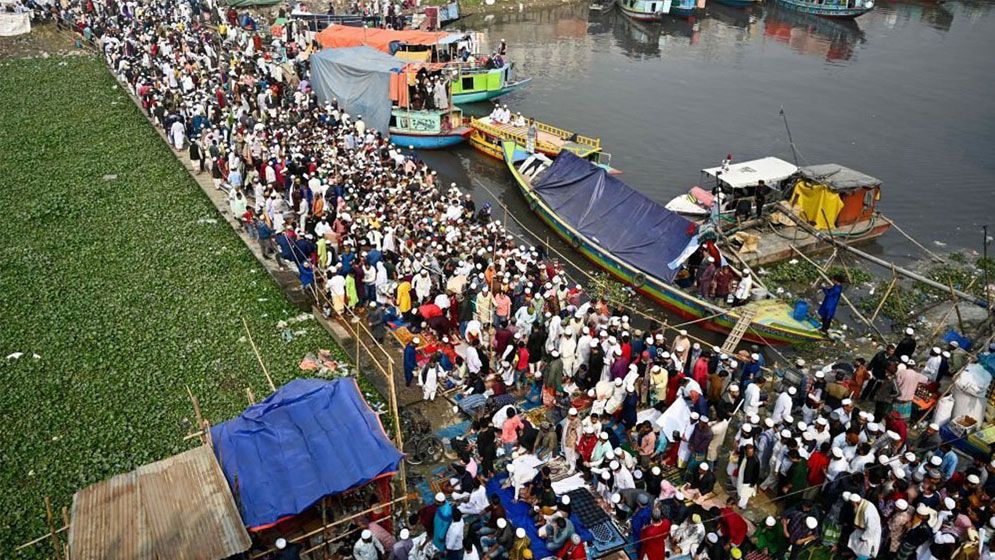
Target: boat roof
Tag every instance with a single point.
(838, 177)
(338, 36)
(749, 173)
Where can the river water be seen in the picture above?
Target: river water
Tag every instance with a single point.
(905, 93)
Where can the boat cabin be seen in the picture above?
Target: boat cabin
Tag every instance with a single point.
(425, 121)
(831, 196)
(737, 182)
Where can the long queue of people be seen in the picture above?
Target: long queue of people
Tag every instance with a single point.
(367, 226)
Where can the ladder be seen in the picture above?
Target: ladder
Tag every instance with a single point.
(739, 329)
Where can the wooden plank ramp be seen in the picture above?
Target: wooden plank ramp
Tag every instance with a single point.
(738, 330)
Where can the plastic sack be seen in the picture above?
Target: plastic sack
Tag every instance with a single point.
(944, 410)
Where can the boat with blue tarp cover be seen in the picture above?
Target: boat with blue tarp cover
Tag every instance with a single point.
(586, 206)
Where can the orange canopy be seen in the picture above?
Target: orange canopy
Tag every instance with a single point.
(338, 36)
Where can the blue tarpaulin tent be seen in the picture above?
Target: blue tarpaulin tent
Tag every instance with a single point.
(309, 439)
(623, 221)
(359, 78)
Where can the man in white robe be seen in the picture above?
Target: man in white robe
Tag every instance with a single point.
(865, 540)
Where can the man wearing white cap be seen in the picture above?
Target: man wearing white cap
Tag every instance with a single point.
(681, 348)
(897, 525)
(844, 411)
(907, 346)
(572, 427)
(907, 380)
(367, 548)
(402, 546)
(782, 406)
(838, 464)
(865, 540)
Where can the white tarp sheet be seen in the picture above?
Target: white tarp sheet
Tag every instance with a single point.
(969, 392)
(676, 418)
(14, 24)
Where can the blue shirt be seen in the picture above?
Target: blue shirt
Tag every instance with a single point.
(949, 465)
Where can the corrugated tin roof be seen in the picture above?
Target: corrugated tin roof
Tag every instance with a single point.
(177, 508)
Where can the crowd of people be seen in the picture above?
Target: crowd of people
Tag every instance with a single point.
(368, 227)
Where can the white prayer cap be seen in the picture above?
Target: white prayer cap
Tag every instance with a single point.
(520, 533)
(808, 436)
(594, 344)
(769, 422)
(747, 428)
(898, 472)
(846, 496)
(973, 479)
(614, 465)
(770, 521)
(679, 496)
(704, 419)
(281, 543)
(716, 349)
(755, 356)
(811, 522)
(992, 522)
(636, 474)
(802, 426)
(695, 416)
(785, 433)
(656, 471)
(712, 537)
(821, 421)
(555, 353)
(949, 503)
(820, 375)
(837, 452)
(846, 402)
(502, 523)
(904, 359)
(901, 505)
(874, 427)
(604, 435)
(703, 466)
(440, 497)
(616, 498)
(945, 354)
(935, 460)
(909, 331)
(416, 340)
(366, 534)
(893, 435)
(883, 459)
(572, 411)
(606, 475)
(910, 456)
(683, 332)
(792, 390)
(855, 497)
(923, 510)
(618, 382)
(754, 419)
(588, 429)
(934, 426)
(800, 362)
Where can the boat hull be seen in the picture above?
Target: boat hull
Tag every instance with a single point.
(736, 3)
(671, 297)
(429, 141)
(640, 16)
(478, 96)
(824, 10)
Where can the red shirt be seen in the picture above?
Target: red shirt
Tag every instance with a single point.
(571, 551)
(585, 447)
(653, 540)
(700, 373)
(733, 526)
(817, 464)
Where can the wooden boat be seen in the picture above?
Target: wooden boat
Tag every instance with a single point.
(477, 83)
(771, 320)
(599, 7)
(654, 10)
(427, 130)
(840, 201)
(844, 9)
(486, 137)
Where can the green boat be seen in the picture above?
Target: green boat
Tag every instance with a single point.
(476, 84)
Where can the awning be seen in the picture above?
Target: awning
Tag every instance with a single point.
(339, 36)
(311, 438)
(749, 173)
(360, 79)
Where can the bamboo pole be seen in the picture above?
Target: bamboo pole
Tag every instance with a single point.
(45, 537)
(891, 286)
(881, 262)
(402, 471)
(250, 396)
(936, 257)
(52, 532)
(324, 528)
(259, 358)
(65, 523)
(846, 269)
(842, 295)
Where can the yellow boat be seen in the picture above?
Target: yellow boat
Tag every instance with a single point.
(486, 137)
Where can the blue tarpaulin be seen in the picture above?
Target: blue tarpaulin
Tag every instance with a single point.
(359, 78)
(309, 439)
(627, 224)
